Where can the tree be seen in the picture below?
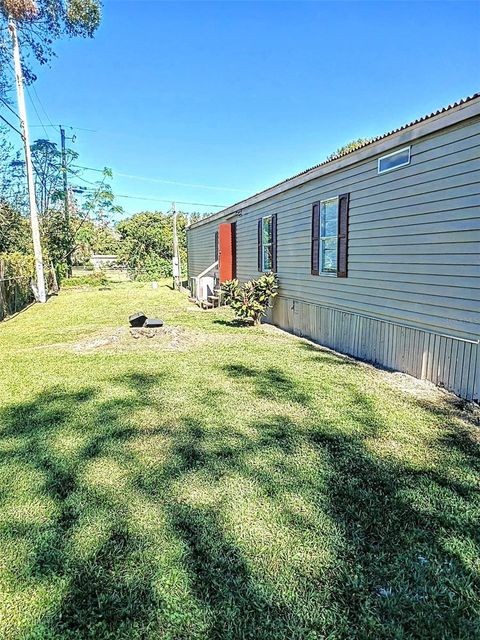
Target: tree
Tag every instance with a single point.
(350, 146)
(146, 243)
(39, 24)
(95, 237)
(95, 203)
(96, 208)
(6, 154)
(89, 207)
(99, 200)
(15, 233)
(12, 176)
(47, 161)
(14, 228)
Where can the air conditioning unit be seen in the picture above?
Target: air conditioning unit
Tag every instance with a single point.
(205, 287)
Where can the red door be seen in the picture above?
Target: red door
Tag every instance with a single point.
(226, 251)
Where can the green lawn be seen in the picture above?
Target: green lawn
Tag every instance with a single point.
(224, 482)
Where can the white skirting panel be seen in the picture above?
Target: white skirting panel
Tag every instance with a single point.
(449, 362)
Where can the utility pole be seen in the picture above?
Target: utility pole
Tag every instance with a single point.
(37, 248)
(176, 256)
(66, 202)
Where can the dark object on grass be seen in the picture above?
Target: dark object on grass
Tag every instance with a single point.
(105, 288)
(150, 323)
(137, 319)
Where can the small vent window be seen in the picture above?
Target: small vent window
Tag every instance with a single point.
(394, 160)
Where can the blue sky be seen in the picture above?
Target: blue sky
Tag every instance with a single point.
(236, 96)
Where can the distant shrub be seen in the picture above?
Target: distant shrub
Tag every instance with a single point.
(17, 265)
(154, 268)
(21, 267)
(98, 279)
(251, 300)
(146, 244)
(61, 272)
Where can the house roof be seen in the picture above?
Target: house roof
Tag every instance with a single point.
(266, 193)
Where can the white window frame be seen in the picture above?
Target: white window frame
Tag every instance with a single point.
(394, 153)
(267, 244)
(332, 274)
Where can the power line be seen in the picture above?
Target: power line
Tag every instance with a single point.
(195, 204)
(180, 184)
(119, 173)
(32, 102)
(158, 180)
(41, 105)
(36, 111)
(78, 166)
(80, 178)
(125, 175)
(67, 126)
(37, 170)
(130, 197)
(11, 126)
(9, 107)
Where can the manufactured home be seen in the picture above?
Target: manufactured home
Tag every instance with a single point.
(377, 250)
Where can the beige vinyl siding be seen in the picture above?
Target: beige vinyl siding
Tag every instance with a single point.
(414, 237)
(201, 247)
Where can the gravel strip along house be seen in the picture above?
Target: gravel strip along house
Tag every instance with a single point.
(377, 250)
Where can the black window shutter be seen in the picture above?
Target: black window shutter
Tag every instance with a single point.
(260, 245)
(342, 252)
(274, 243)
(315, 238)
(234, 249)
(216, 246)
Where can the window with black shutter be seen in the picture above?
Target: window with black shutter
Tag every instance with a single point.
(267, 243)
(259, 245)
(234, 250)
(342, 244)
(329, 248)
(315, 238)
(216, 246)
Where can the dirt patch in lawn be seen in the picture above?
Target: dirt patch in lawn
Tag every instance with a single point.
(125, 339)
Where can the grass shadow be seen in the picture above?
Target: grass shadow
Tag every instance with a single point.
(269, 383)
(222, 580)
(238, 515)
(109, 592)
(235, 322)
